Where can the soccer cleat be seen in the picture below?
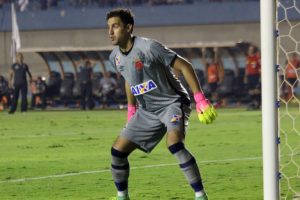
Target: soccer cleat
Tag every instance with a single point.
(120, 198)
(204, 197)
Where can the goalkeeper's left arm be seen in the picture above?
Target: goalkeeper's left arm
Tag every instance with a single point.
(205, 110)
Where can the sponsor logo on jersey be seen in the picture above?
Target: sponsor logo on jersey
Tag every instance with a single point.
(143, 88)
(118, 60)
(175, 118)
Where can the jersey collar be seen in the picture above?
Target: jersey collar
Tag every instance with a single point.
(127, 52)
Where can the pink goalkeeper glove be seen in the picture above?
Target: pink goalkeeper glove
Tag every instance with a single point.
(206, 112)
(131, 109)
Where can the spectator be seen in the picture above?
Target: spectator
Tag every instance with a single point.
(291, 75)
(85, 78)
(18, 82)
(214, 69)
(38, 90)
(252, 78)
(108, 86)
(4, 93)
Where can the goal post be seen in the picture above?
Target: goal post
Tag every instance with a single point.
(280, 49)
(269, 100)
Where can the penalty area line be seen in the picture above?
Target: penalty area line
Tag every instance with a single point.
(132, 168)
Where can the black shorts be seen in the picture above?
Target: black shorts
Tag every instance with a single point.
(292, 81)
(213, 87)
(253, 82)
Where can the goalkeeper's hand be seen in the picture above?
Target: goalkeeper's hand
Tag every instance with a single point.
(206, 112)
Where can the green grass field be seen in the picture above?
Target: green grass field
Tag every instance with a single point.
(66, 155)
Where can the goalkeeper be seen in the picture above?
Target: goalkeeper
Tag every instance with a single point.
(158, 104)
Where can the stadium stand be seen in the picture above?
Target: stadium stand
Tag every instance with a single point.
(34, 5)
(75, 30)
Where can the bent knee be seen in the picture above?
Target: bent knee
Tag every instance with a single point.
(174, 137)
(124, 145)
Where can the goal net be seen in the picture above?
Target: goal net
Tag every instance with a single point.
(288, 63)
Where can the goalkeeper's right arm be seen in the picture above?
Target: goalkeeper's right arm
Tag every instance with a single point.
(131, 102)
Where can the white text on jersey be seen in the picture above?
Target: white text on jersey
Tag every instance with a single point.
(143, 88)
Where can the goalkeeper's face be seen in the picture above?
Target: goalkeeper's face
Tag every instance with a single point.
(118, 32)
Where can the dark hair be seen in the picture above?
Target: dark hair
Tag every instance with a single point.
(124, 14)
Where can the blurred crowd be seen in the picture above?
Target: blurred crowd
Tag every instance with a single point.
(105, 91)
(46, 4)
(89, 89)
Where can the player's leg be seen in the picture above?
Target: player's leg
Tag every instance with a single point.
(213, 91)
(44, 100)
(187, 162)
(32, 103)
(24, 98)
(120, 165)
(251, 91)
(291, 87)
(176, 119)
(257, 98)
(144, 131)
(82, 96)
(89, 92)
(14, 104)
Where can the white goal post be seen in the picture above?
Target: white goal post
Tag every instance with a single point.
(280, 50)
(269, 99)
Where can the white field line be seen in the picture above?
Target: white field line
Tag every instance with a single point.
(131, 168)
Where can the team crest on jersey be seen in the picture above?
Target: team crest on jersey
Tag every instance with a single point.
(143, 88)
(139, 65)
(118, 60)
(139, 61)
(175, 118)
